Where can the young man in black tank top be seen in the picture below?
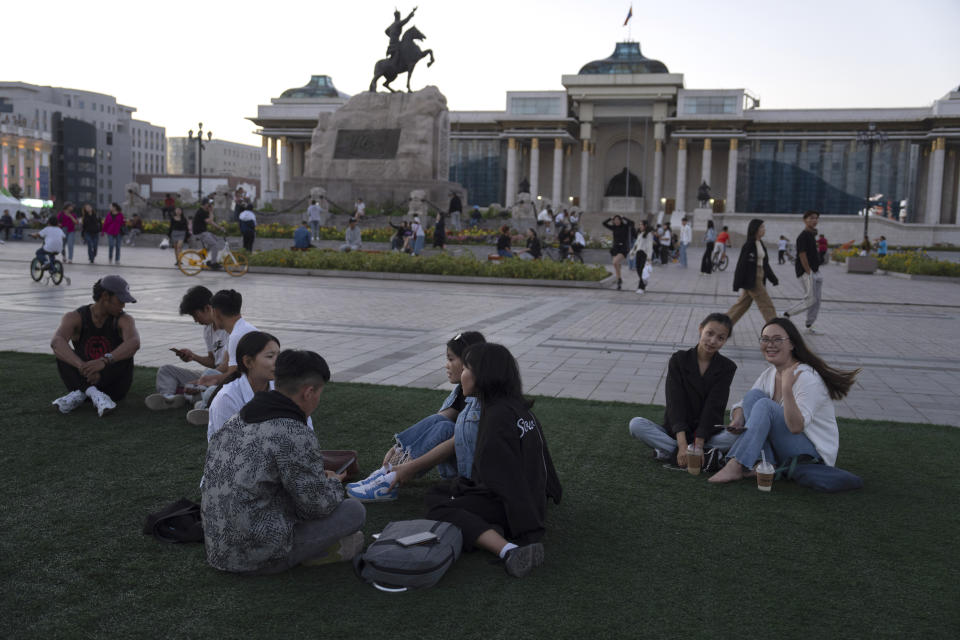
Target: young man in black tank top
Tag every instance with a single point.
(99, 364)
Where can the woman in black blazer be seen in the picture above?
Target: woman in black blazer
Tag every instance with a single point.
(698, 385)
(753, 271)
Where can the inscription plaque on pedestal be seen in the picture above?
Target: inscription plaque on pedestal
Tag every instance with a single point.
(366, 144)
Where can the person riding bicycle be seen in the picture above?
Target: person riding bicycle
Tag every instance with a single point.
(202, 221)
(723, 239)
(53, 238)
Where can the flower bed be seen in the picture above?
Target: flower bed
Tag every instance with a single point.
(394, 262)
(919, 263)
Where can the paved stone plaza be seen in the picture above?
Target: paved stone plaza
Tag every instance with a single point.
(582, 343)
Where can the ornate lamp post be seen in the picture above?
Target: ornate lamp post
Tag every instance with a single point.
(869, 137)
(200, 148)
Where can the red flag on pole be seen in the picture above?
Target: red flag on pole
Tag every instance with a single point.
(629, 15)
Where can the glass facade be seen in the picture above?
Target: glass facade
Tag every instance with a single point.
(537, 106)
(710, 105)
(829, 176)
(479, 166)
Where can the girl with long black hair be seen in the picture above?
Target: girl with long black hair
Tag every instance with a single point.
(753, 271)
(502, 506)
(789, 411)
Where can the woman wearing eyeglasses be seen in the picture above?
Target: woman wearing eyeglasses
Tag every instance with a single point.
(789, 411)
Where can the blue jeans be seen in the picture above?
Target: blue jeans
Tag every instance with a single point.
(424, 436)
(93, 241)
(46, 258)
(504, 253)
(315, 229)
(113, 241)
(418, 244)
(767, 431)
(683, 254)
(68, 245)
(656, 437)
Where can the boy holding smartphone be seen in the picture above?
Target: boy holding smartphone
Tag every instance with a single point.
(172, 381)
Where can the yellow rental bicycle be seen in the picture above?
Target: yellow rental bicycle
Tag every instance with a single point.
(193, 261)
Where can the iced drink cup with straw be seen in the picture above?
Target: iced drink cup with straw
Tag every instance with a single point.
(694, 459)
(765, 472)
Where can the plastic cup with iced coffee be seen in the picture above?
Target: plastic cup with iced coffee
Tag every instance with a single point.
(694, 459)
(765, 472)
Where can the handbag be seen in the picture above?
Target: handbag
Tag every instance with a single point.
(177, 522)
(335, 459)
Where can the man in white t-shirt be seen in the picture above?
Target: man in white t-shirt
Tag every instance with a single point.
(686, 237)
(53, 238)
(226, 305)
(173, 382)
(359, 209)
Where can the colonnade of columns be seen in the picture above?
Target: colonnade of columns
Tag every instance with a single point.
(706, 168)
(281, 159)
(514, 170)
(13, 166)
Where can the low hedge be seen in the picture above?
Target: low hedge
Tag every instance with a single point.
(395, 262)
(919, 264)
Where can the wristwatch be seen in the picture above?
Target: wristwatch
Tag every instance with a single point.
(108, 358)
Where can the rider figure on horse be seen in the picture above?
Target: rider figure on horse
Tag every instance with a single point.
(394, 30)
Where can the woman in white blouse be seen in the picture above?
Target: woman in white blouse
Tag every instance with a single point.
(789, 411)
(256, 360)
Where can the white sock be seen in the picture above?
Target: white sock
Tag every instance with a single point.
(506, 548)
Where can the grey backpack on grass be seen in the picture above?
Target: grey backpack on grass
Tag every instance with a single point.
(389, 566)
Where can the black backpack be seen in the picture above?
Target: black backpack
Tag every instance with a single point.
(177, 522)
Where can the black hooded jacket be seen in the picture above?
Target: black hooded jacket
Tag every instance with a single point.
(745, 277)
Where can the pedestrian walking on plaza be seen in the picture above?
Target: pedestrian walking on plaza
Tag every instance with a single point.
(248, 226)
(641, 251)
(6, 223)
(822, 247)
(709, 238)
(665, 241)
(419, 237)
(753, 271)
(455, 209)
(782, 250)
(807, 267)
(113, 229)
(620, 227)
(686, 237)
(179, 230)
(69, 223)
(91, 226)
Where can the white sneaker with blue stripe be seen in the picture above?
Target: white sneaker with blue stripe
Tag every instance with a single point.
(376, 491)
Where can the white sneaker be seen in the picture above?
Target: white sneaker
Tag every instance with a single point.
(198, 417)
(101, 401)
(640, 292)
(161, 401)
(71, 401)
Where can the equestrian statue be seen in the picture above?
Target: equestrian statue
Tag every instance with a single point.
(403, 54)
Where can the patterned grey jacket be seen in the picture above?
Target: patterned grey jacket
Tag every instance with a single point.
(261, 479)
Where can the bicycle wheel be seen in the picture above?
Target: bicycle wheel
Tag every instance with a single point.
(722, 263)
(56, 272)
(190, 262)
(235, 264)
(36, 269)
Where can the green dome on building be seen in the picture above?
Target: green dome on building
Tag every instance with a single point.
(318, 87)
(626, 58)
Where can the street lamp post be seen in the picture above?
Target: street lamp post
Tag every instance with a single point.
(200, 148)
(869, 137)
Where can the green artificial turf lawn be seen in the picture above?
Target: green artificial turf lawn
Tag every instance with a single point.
(633, 550)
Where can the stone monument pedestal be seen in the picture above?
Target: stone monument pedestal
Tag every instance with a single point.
(380, 147)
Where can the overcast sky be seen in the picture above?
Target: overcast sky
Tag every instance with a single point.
(181, 62)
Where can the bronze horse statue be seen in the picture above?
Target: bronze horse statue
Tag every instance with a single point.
(406, 58)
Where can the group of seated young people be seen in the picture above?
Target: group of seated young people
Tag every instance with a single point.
(788, 413)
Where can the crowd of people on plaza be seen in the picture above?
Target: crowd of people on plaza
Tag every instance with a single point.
(264, 463)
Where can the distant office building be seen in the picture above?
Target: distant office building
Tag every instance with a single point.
(148, 149)
(220, 158)
(52, 142)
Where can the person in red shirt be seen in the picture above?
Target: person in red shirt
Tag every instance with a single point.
(723, 239)
(822, 249)
(169, 204)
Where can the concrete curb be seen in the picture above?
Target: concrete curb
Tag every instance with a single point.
(913, 276)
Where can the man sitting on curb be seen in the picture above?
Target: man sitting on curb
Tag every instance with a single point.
(301, 237)
(352, 239)
(99, 366)
(172, 381)
(225, 305)
(267, 502)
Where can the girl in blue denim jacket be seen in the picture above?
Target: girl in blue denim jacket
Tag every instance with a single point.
(445, 440)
